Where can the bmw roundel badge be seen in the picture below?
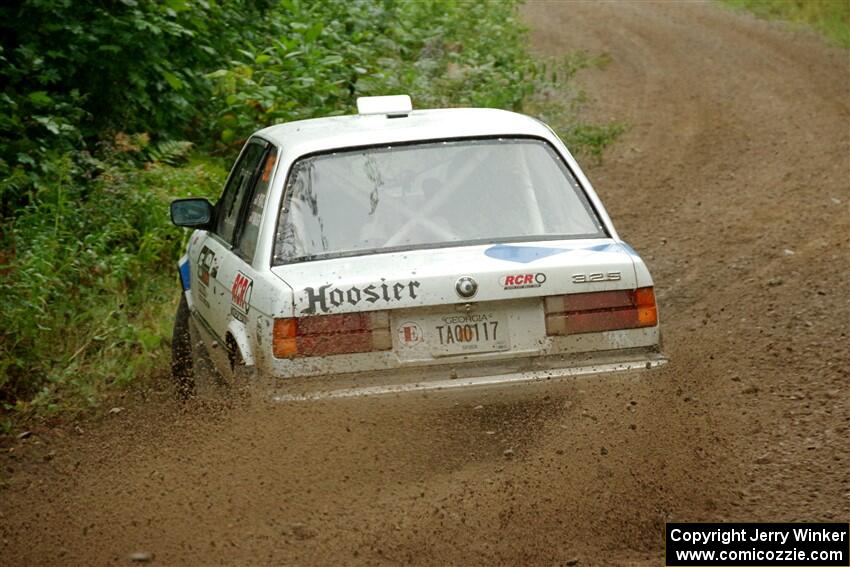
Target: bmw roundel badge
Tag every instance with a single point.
(466, 287)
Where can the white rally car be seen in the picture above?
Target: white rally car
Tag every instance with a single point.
(402, 249)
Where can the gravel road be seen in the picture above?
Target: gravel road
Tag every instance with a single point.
(733, 181)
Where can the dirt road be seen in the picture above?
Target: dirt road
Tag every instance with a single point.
(733, 181)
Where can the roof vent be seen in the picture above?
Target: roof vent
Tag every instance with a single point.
(393, 106)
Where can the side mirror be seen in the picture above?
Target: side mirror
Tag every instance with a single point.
(192, 213)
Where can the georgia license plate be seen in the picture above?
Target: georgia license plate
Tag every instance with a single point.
(468, 333)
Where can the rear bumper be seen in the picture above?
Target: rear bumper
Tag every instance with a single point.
(467, 375)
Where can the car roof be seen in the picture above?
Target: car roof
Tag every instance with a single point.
(334, 132)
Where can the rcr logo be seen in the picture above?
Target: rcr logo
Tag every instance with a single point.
(240, 292)
(522, 281)
(596, 277)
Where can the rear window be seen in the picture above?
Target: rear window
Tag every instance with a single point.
(428, 195)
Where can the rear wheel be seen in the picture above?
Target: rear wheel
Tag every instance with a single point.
(182, 364)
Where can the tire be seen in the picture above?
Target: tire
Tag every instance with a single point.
(182, 363)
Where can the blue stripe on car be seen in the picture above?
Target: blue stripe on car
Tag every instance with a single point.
(526, 254)
(183, 267)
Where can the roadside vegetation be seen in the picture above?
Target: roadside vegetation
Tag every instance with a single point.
(109, 108)
(830, 17)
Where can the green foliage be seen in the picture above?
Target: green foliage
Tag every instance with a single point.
(320, 56)
(170, 152)
(103, 103)
(72, 70)
(830, 17)
(559, 108)
(77, 73)
(88, 270)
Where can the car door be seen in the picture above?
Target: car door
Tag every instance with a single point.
(238, 274)
(216, 259)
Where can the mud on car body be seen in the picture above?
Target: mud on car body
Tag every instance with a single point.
(400, 249)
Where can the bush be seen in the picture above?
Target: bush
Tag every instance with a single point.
(319, 57)
(73, 70)
(88, 265)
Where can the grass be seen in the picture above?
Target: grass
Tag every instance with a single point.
(88, 297)
(829, 17)
(561, 109)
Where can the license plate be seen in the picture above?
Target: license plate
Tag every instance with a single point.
(468, 333)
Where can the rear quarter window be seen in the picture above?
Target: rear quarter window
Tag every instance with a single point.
(254, 214)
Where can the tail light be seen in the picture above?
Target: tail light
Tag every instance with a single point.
(321, 335)
(600, 311)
